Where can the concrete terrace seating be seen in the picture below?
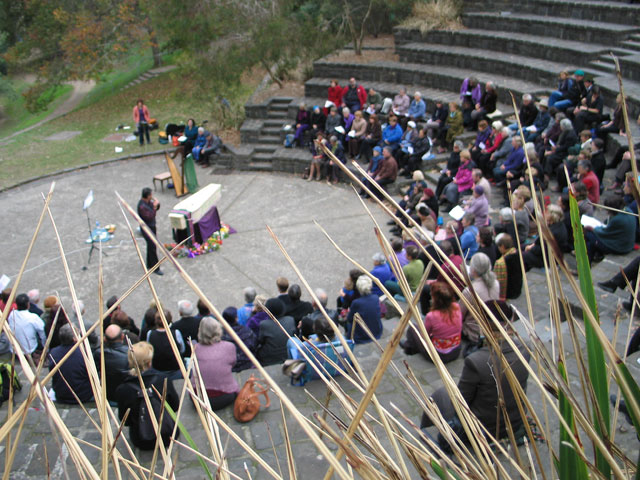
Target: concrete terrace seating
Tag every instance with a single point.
(521, 46)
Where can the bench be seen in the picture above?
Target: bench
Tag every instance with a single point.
(162, 178)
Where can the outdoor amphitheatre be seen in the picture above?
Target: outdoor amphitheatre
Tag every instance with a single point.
(415, 225)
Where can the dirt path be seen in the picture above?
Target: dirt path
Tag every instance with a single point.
(80, 90)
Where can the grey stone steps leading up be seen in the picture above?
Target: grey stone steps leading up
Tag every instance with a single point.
(271, 130)
(631, 45)
(262, 157)
(630, 67)
(603, 65)
(273, 123)
(435, 76)
(281, 100)
(517, 66)
(276, 114)
(270, 139)
(597, 11)
(565, 28)
(516, 43)
(259, 166)
(264, 148)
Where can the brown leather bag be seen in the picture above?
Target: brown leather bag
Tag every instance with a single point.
(247, 402)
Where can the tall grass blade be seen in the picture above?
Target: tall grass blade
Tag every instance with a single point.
(595, 352)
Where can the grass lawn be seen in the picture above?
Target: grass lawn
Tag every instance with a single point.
(18, 116)
(29, 155)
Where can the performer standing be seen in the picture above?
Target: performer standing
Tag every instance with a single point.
(147, 208)
(141, 118)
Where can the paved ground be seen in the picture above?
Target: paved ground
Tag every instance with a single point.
(249, 203)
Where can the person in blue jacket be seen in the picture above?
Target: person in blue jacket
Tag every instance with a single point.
(368, 306)
(468, 239)
(381, 270)
(417, 108)
(392, 134)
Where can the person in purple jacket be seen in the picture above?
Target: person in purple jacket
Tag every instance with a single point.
(514, 162)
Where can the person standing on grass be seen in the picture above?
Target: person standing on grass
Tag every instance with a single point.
(141, 118)
(147, 208)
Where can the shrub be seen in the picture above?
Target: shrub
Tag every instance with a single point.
(435, 15)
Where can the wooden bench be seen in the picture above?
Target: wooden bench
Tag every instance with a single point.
(162, 178)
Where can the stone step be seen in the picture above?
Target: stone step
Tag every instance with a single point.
(635, 36)
(270, 139)
(264, 148)
(262, 157)
(281, 100)
(271, 130)
(603, 65)
(596, 11)
(631, 45)
(273, 123)
(435, 76)
(277, 114)
(278, 107)
(564, 28)
(258, 166)
(630, 67)
(146, 75)
(516, 43)
(541, 71)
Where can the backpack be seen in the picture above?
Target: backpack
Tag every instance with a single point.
(145, 424)
(8, 380)
(288, 140)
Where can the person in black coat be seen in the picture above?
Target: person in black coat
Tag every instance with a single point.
(272, 341)
(532, 255)
(448, 173)
(230, 314)
(478, 382)
(554, 157)
(297, 308)
(128, 394)
(72, 379)
(116, 360)
(188, 324)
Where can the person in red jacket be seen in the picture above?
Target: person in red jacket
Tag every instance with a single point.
(354, 96)
(141, 118)
(334, 96)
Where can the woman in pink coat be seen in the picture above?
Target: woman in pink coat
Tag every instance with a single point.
(141, 118)
(462, 183)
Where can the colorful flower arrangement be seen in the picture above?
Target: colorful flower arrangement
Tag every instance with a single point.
(211, 244)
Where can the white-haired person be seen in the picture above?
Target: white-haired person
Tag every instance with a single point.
(482, 155)
(528, 112)
(485, 285)
(216, 358)
(532, 255)
(381, 271)
(368, 307)
(128, 394)
(188, 324)
(199, 144)
(417, 108)
(34, 299)
(246, 311)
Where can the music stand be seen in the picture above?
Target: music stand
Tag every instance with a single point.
(87, 203)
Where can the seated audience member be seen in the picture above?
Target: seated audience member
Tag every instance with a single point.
(568, 92)
(347, 119)
(427, 229)
(417, 108)
(487, 104)
(470, 95)
(334, 94)
(148, 321)
(359, 129)
(302, 125)
(479, 206)
(79, 312)
(598, 161)
(619, 280)
(282, 284)
(121, 319)
(216, 359)
(297, 308)
(506, 225)
(486, 244)
(486, 286)
(587, 176)
(412, 271)
(374, 102)
(4, 298)
(132, 324)
(27, 327)
(461, 184)
(437, 119)
(514, 163)
(368, 307)
(387, 172)
(272, 340)
(116, 360)
(448, 173)
(532, 255)
(399, 251)
(507, 268)
(164, 359)
(590, 111)
(187, 325)
(332, 170)
(212, 147)
(49, 302)
(34, 299)
(421, 151)
(230, 314)
(484, 384)
(617, 236)
(71, 382)
(453, 126)
(407, 140)
(316, 121)
(381, 270)
(306, 325)
(528, 113)
(258, 314)
(499, 155)
(348, 293)
(615, 125)
(468, 239)
(392, 134)
(482, 137)
(401, 102)
(480, 181)
(59, 316)
(554, 156)
(245, 311)
(199, 144)
(411, 196)
(541, 122)
(482, 155)
(443, 324)
(354, 95)
(372, 171)
(372, 137)
(319, 160)
(333, 120)
(129, 394)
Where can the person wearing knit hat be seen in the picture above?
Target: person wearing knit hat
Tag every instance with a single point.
(49, 302)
